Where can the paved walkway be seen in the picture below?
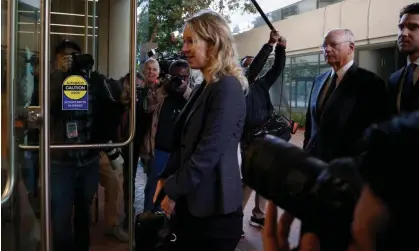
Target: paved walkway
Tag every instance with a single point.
(251, 242)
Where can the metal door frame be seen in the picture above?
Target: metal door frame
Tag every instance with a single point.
(45, 144)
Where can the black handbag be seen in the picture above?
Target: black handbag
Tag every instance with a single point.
(154, 230)
(276, 125)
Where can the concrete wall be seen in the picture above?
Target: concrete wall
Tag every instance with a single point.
(371, 21)
(114, 37)
(370, 60)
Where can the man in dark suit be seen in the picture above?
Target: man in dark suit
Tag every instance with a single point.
(343, 103)
(403, 87)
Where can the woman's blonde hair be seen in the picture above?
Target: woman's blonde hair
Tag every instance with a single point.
(213, 28)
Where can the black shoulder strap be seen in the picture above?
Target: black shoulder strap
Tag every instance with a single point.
(269, 103)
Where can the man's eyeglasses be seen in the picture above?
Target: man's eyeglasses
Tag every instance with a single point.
(334, 46)
(68, 54)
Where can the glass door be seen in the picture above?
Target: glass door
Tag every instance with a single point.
(20, 209)
(36, 37)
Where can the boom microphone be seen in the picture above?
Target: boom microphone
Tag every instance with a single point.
(263, 15)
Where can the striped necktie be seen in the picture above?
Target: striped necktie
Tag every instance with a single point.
(330, 90)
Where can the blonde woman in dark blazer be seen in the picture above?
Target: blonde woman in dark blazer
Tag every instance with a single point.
(202, 178)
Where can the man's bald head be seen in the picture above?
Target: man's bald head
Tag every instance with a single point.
(345, 34)
(338, 47)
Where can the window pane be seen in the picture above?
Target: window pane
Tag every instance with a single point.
(286, 88)
(324, 67)
(324, 3)
(304, 70)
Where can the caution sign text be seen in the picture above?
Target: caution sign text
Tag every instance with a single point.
(75, 93)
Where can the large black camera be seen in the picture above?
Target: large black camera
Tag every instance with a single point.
(323, 196)
(276, 125)
(82, 64)
(165, 60)
(171, 83)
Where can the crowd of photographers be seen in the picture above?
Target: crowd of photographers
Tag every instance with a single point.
(75, 174)
(342, 178)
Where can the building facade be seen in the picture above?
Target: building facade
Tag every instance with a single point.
(373, 22)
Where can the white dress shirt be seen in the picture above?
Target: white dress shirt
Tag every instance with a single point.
(342, 71)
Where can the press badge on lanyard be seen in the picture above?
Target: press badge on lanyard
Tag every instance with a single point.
(71, 128)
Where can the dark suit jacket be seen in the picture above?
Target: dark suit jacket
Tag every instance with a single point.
(205, 165)
(359, 101)
(394, 89)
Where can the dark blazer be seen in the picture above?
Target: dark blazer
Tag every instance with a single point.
(359, 101)
(394, 89)
(204, 169)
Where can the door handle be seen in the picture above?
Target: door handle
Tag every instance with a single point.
(11, 63)
(132, 69)
(32, 118)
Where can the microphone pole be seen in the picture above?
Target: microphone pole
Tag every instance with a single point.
(265, 18)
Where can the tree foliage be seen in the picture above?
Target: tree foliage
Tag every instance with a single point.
(163, 17)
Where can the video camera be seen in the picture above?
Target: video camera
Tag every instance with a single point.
(276, 125)
(82, 64)
(321, 195)
(165, 60)
(172, 83)
(115, 157)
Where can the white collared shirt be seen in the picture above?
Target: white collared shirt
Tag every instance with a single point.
(416, 72)
(239, 156)
(342, 71)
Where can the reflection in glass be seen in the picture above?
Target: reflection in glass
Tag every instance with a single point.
(304, 70)
(324, 3)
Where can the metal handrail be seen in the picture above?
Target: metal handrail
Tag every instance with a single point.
(132, 70)
(44, 154)
(86, 26)
(11, 61)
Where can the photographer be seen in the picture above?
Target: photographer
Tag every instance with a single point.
(163, 124)
(259, 106)
(75, 172)
(146, 83)
(382, 213)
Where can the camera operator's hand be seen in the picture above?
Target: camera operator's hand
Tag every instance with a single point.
(282, 42)
(126, 93)
(166, 81)
(275, 233)
(273, 38)
(159, 187)
(67, 62)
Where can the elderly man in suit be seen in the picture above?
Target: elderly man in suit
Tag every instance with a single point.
(343, 103)
(403, 85)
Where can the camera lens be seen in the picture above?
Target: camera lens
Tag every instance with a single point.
(176, 81)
